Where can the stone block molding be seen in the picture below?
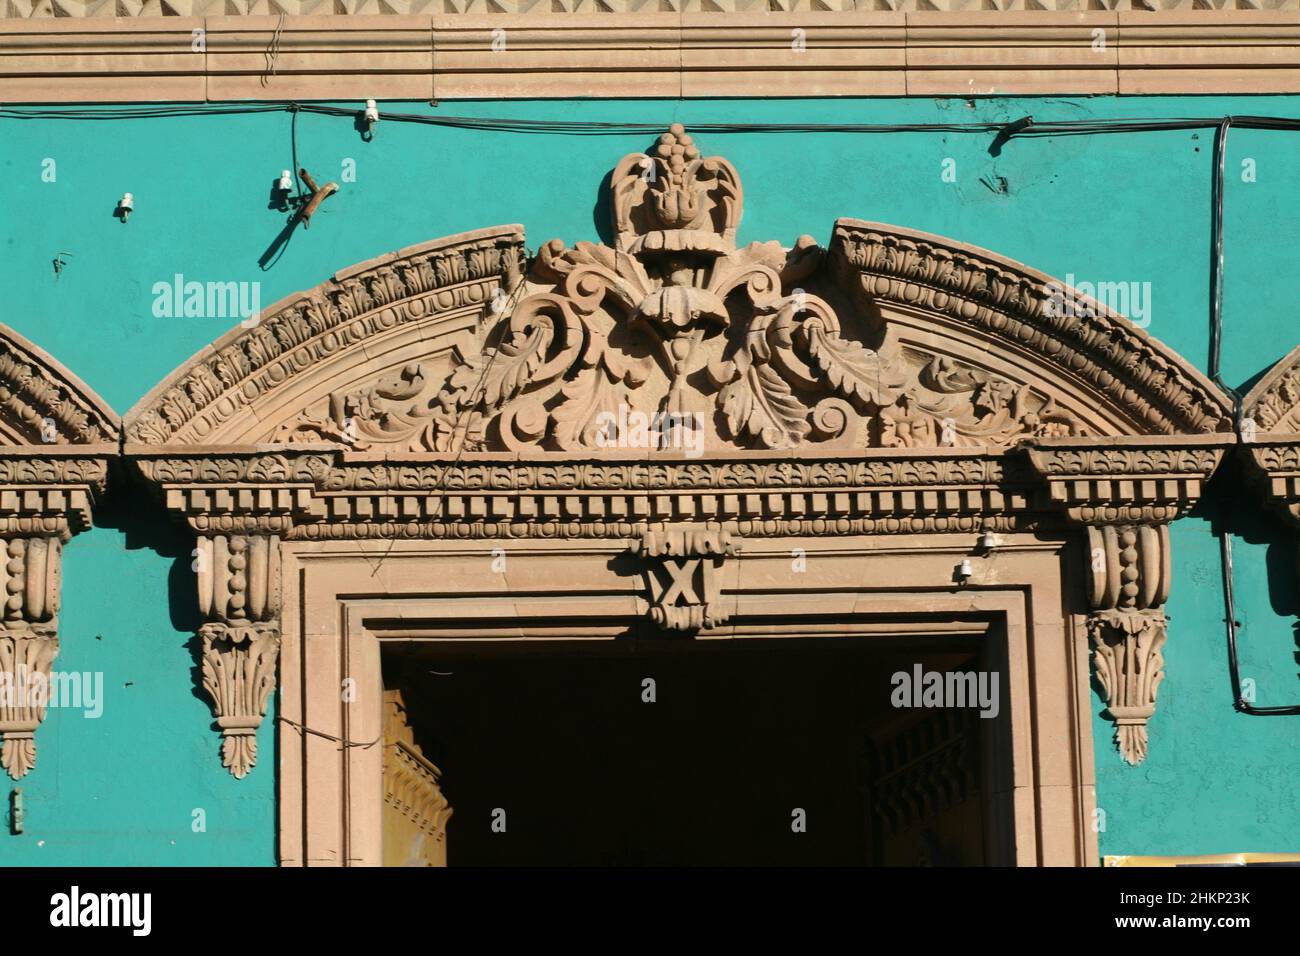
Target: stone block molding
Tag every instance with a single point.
(674, 401)
(70, 51)
(56, 440)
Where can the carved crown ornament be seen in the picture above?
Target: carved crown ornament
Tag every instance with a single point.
(678, 392)
(56, 440)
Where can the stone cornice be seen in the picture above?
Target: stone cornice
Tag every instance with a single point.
(1127, 480)
(66, 52)
(313, 493)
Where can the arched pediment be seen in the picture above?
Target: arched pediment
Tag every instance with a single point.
(891, 383)
(1272, 407)
(1270, 435)
(42, 403)
(886, 338)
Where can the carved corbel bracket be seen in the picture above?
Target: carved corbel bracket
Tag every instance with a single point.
(240, 503)
(1124, 492)
(683, 575)
(44, 500)
(1127, 626)
(239, 594)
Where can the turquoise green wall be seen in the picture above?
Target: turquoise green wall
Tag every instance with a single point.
(121, 789)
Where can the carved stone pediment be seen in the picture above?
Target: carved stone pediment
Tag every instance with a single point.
(56, 438)
(675, 338)
(678, 393)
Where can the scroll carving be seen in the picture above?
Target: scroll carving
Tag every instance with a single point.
(674, 337)
(678, 327)
(682, 568)
(239, 593)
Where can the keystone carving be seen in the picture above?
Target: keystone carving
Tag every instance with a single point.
(239, 593)
(682, 569)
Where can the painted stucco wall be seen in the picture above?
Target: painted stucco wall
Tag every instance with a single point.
(123, 788)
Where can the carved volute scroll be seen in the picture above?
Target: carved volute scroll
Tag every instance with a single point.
(675, 393)
(239, 594)
(56, 437)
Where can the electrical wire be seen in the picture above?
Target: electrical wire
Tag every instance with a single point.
(1231, 624)
(598, 127)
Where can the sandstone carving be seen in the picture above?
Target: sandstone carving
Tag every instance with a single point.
(682, 565)
(56, 437)
(679, 393)
(239, 592)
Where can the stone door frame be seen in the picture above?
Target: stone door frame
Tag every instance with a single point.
(340, 611)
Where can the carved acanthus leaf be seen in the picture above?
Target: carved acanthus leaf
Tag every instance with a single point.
(759, 404)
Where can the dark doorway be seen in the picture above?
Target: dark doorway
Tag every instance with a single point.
(752, 752)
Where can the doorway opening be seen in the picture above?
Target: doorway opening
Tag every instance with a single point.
(774, 751)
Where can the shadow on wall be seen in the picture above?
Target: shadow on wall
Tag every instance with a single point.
(1243, 516)
(130, 509)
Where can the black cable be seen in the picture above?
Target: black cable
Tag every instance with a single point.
(597, 127)
(1231, 624)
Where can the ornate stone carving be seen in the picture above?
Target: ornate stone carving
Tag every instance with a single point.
(682, 565)
(27, 654)
(56, 436)
(1127, 625)
(306, 495)
(1270, 436)
(1125, 493)
(679, 393)
(239, 592)
(211, 396)
(674, 339)
(41, 403)
(1125, 367)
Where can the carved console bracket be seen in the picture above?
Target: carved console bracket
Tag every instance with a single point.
(56, 437)
(1124, 493)
(239, 594)
(682, 568)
